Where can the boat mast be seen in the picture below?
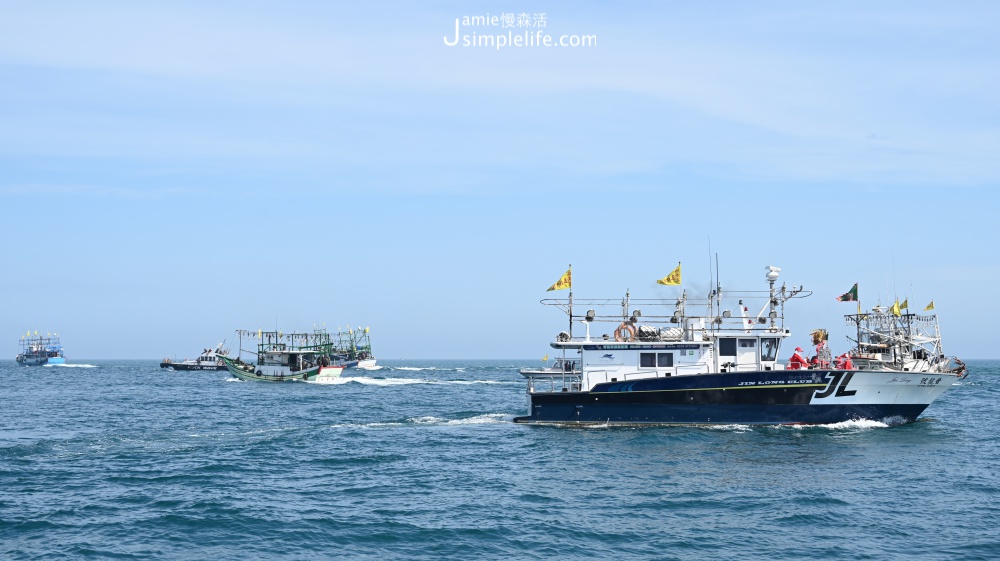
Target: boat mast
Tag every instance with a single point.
(772, 275)
(570, 301)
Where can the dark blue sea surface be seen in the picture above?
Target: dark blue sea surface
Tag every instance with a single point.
(420, 460)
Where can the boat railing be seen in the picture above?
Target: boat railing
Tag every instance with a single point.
(625, 331)
(566, 383)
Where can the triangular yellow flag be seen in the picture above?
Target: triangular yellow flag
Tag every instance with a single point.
(674, 278)
(895, 309)
(929, 306)
(564, 282)
(905, 304)
(545, 358)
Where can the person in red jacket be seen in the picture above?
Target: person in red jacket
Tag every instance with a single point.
(797, 362)
(844, 362)
(848, 365)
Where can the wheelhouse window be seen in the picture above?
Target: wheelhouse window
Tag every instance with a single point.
(748, 343)
(654, 360)
(727, 347)
(768, 348)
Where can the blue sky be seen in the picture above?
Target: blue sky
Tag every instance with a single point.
(173, 171)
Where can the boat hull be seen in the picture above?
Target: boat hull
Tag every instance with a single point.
(316, 374)
(326, 375)
(770, 397)
(366, 364)
(39, 360)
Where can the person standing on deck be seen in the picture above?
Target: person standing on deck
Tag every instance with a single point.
(797, 362)
(844, 362)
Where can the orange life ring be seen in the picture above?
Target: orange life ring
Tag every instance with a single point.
(620, 332)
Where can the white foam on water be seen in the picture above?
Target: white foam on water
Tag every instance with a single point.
(71, 365)
(485, 419)
(425, 420)
(378, 381)
(364, 425)
(733, 427)
(851, 424)
(409, 381)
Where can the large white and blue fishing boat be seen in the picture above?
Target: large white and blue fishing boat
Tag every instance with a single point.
(39, 350)
(716, 362)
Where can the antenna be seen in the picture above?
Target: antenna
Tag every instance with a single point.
(718, 285)
(709, 259)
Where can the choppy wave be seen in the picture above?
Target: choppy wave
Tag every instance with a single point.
(65, 365)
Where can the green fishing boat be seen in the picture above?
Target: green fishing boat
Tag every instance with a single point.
(285, 357)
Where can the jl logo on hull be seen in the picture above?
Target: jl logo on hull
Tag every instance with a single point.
(838, 383)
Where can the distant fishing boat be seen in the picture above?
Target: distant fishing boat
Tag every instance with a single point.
(38, 350)
(285, 357)
(353, 349)
(210, 359)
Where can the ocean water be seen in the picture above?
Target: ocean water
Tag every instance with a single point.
(420, 460)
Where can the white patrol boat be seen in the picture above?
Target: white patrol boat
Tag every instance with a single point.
(559, 368)
(665, 365)
(210, 359)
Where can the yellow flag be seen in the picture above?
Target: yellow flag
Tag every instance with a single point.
(260, 333)
(929, 306)
(674, 278)
(545, 358)
(905, 304)
(564, 282)
(895, 309)
(36, 333)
